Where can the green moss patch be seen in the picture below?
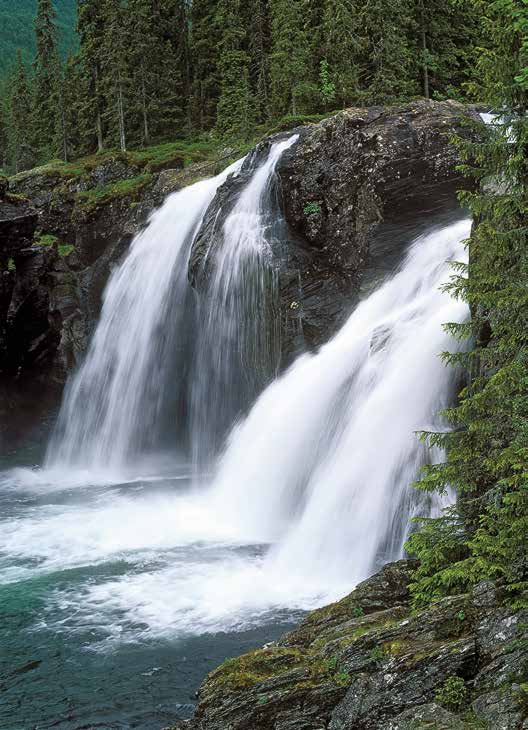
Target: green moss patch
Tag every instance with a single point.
(90, 200)
(48, 240)
(45, 239)
(65, 249)
(149, 159)
(257, 666)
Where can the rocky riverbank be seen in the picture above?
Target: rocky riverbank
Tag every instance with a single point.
(369, 662)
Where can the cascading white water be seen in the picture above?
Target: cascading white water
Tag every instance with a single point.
(238, 349)
(313, 491)
(111, 409)
(324, 465)
(137, 366)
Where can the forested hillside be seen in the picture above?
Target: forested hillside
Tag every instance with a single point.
(16, 29)
(150, 71)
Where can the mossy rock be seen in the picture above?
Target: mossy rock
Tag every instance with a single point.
(89, 201)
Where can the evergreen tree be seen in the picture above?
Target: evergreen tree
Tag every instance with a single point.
(236, 112)
(20, 151)
(144, 59)
(386, 67)
(484, 536)
(204, 43)
(338, 70)
(259, 51)
(47, 75)
(175, 78)
(115, 76)
(69, 121)
(91, 28)
(449, 35)
(4, 126)
(292, 71)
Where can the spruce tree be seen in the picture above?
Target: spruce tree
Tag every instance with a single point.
(47, 76)
(236, 111)
(448, 38)
(144, 60)
(20, 151)
(259, 24)
(484, 535)
(69, 131)
(91, 29)
(293, 74)
(385, 51)
(175, 75)
(4, 126)
(205, 35)
(340, 48)
(116, 69)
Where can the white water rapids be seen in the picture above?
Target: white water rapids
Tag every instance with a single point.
(314, 489)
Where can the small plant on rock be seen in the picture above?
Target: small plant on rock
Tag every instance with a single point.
(378, 654)
(452, 694)
(311, 209)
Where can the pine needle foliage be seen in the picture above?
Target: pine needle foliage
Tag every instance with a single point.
(484, 536)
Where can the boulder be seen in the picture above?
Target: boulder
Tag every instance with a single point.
(345, 182)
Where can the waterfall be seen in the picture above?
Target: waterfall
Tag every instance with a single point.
(238, 338)
(112, 406)
(158, 355)
(323, 466)
(314, 488)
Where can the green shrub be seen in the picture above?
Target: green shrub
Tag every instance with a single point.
(65, 249)
(452, 694)
(311, 209)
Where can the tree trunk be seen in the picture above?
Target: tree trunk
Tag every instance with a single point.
(187, 70)
(121, 116)
(424, 53)
(64, 138)
(99, 119)
(146, 131)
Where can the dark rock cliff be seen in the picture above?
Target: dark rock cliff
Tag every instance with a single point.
(369, 662)
(349, 183)
(61, 235)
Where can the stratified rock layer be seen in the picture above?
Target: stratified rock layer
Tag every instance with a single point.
(369, 663)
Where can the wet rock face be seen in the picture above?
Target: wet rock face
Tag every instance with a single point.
(341, 180)
(345, 177)
(25, 336)
(370, 663)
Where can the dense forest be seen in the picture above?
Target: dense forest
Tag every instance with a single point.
(148, 71)
(17, 30)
